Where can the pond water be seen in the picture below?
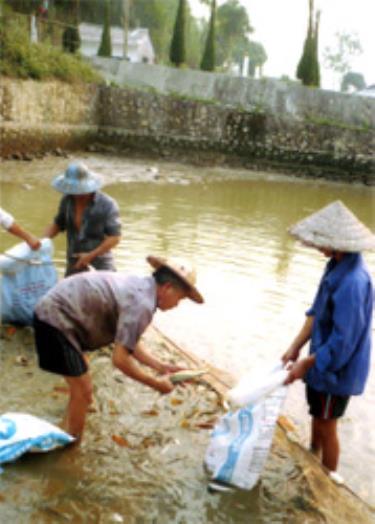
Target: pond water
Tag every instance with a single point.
(256, 280)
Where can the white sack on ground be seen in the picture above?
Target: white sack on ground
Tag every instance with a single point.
(21, 433)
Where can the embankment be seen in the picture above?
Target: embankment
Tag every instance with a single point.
(274, 126)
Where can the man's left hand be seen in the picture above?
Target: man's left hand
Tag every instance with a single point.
(83, 260)
(170, 368)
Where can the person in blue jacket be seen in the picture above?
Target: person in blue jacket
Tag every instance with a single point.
(338, 324)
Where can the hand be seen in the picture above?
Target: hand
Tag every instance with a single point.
(290, 355)
(34, 242)
(164, 385)
(84, 259)
(298, 370)
(170, 368)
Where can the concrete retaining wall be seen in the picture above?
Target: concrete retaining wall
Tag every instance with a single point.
(37, 117)
(41, 116)
(276, 97)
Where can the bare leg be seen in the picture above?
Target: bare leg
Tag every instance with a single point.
(79, 402)
(316, 440)
(324, 437)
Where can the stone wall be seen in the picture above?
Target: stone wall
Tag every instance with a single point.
(276, 97)
(37, 117)
(172, 126)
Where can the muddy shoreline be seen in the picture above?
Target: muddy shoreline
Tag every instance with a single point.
(141, 460)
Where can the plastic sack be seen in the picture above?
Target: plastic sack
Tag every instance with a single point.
(240, 441)
(26, 275)
(21, 433)
(255, 385)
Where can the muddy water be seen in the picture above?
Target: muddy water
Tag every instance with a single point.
(257, 283)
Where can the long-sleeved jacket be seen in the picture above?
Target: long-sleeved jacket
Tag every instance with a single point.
(341, 334)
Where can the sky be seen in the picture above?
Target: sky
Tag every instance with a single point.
(281, 26)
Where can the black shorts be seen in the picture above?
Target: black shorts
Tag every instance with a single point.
(325, 406)
(55, 353)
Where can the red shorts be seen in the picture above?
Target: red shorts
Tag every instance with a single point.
(325, 406)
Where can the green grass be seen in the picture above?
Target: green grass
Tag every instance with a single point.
(39, 61)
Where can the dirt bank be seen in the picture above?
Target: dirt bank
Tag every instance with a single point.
(141, 459)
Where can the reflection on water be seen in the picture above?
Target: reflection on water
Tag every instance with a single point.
(257, 281)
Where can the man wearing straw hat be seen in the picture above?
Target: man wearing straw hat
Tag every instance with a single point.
(338, 324)
(93, 309)
(90, 218)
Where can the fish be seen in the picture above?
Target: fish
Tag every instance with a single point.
(186, 374)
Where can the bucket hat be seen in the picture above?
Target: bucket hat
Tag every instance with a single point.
(334, 227)
(77, 180)
(183, 270)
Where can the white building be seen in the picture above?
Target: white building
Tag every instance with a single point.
(140, 48)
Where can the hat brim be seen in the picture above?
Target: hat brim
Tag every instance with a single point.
(158, 262)
(62, 185)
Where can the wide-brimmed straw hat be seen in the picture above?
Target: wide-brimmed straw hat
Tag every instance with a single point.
(77, 180)
(183, 270)
(334, 227)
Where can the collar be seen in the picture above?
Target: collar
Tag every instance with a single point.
(336, 271)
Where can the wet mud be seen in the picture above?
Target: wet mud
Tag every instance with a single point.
(141, 459)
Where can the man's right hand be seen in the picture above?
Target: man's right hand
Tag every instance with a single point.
(164, 385)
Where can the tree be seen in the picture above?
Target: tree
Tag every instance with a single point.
(208, 59)
(24, 6)
(354, 80)
(339, 59)
(232, 28)
(177, 53)
(316, 66)
(308, 70)
(105, 48)
(257, 57)
(71, 40)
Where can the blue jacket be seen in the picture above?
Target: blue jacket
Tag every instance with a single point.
(341, 334)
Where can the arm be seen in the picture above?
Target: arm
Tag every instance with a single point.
(303, 336)
(351, 317)
(84, 259)
(143, 356)
(17, 230)
(52, 230)
(126, 362)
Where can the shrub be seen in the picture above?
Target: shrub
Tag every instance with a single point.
(21, 59)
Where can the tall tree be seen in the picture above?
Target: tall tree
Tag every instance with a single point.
(232, 27)
(316, 66)
(71, 40)
(177, 54)
(254, 51)
(308, 66)
(339, 58)
(208, 59)
(105, 48)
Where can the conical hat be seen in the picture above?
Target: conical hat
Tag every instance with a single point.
(334, 227)
(183, 270)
